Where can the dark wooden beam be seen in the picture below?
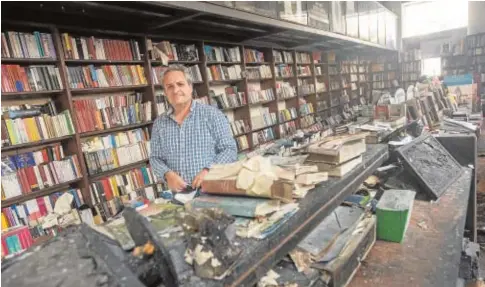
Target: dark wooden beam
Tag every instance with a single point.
(175, 21)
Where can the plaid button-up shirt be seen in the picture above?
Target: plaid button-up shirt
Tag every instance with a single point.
(203, 139)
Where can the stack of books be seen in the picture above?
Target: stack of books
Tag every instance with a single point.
(105, 76)
(91, 48)
(337, 155)
(109, 111)
(27, 45)
(25, 123)
(30, 79)
(116, 150)
(33, 171)
(306, 109)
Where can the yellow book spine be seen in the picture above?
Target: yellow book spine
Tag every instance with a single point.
(11, 131)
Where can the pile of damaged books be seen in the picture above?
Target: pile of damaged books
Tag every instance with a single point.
(337, 155)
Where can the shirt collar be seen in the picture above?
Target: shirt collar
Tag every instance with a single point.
(192, 107)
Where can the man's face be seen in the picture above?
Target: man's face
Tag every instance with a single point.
(176, 88)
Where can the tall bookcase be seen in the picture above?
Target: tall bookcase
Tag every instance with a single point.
(303, 79)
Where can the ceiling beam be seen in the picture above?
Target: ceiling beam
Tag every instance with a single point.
(178, 20)
(259, 20)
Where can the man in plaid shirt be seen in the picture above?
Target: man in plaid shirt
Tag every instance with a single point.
(190, 137)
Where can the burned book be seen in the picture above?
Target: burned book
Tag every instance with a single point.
(337, 149)
(339, 170)
(434, 167)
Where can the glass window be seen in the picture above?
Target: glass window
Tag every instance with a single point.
(352, 19)
(318, 14)
(381, 29)
(432, 67)
(391, 30)
(364, 20)
(421, 18)
(294, 11)
(265, 8)
(338, 17)
(373, 22)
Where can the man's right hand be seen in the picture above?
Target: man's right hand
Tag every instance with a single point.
(174, 181)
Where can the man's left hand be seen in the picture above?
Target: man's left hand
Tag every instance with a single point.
(199, 178)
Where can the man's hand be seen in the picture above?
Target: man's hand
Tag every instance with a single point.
(174, 181)
(199, 178)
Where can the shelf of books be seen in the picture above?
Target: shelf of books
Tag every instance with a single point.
(410, 67)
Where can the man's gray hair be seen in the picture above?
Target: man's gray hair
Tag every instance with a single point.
(178, 68)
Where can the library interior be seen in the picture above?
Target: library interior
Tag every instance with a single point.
(243, 143)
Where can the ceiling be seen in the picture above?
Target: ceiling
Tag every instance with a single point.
(183, 20)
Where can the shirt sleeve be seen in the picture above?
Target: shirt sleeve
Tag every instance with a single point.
(159, 166)
(226, 148)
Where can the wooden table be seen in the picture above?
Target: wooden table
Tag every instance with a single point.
(429, 254)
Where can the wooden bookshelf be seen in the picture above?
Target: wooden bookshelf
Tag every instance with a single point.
(117, 170)
(66, 96)
(39, 193)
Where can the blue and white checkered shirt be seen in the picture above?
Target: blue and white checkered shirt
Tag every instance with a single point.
(203, 139)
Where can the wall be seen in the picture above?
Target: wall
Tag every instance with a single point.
(430, 44)
(476, 17)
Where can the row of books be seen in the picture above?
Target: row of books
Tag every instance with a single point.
(264, 119)
(322, 105)
(240, 127)
(22, 175)
(31, 212)
(253, 56)
(33, 129)
(332, 70)
(91, 76)
(285, 90)
(283, 71)
(303, 58)
(27, 45)
(287, 114)
(410, 77)
(222, 54)
(287, 129)
(91, 48)
(306, 89)
(307, 121)
(109, 111)
(318, 71)
(283, 57)
(256, 96)
(16, 240)
(306, 109)
(231, 98)
(347, 69)
(304, 71)
(242, 142)
(173, 51)
(124, 187)
(412, 55)
(219, 72)
(116, 150)
(16, 78)
(193, 71)
(411, 67)
(259, 72)
(263, 136)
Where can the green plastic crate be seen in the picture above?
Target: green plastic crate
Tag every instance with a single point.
(393, 214)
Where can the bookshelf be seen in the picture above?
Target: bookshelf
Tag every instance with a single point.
(289, 75)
